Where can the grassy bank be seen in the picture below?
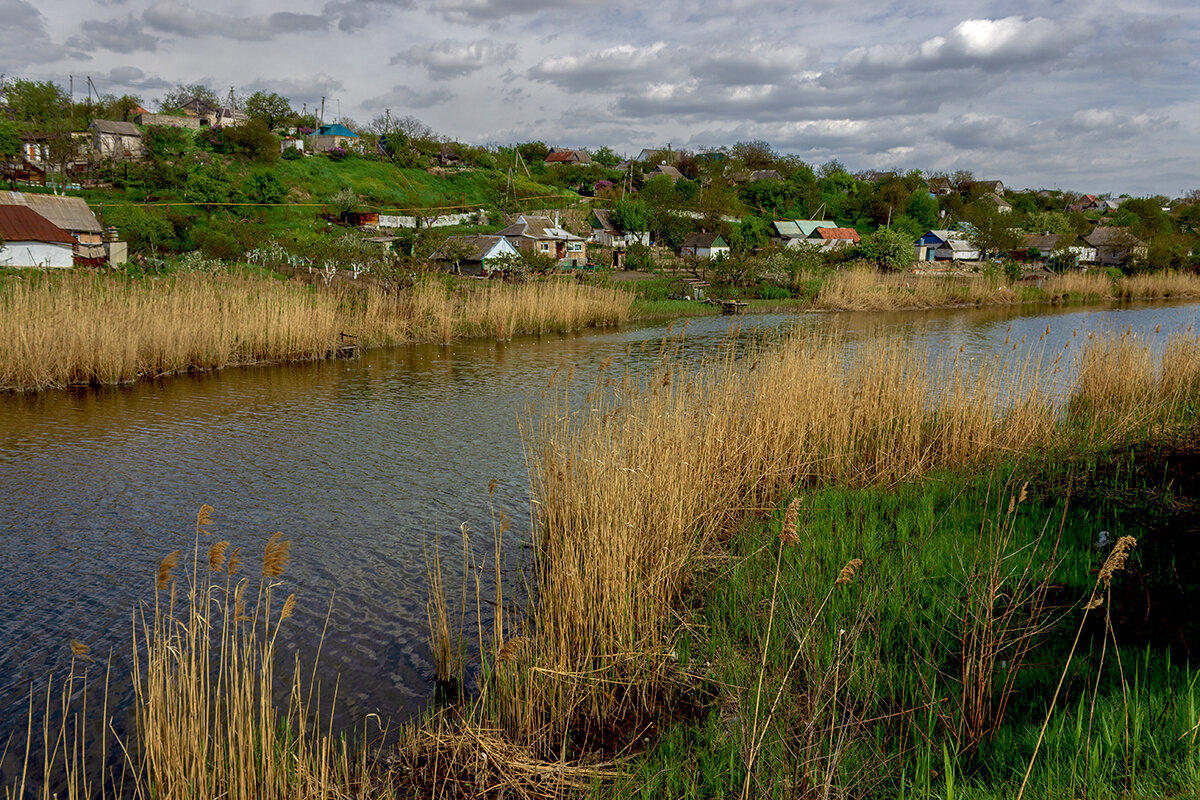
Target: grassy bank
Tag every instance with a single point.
(930, 670)
(640, 498)
(88, 328)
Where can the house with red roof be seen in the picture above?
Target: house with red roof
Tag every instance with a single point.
(834, 238)
(31, 240)
(578, 157)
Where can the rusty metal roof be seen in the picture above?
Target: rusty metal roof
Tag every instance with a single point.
(21, 224)
(68, 213)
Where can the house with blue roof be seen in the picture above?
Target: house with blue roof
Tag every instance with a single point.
(328, 137)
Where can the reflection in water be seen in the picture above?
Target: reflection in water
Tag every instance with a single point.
(364, 464)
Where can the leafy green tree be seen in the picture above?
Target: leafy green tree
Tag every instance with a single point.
(252, 140)
(144, 229)
(756, 154)
(889, 249)
(606, 157)
(264, 187)
(533, 152)
(922, 209)
(273, 109)
(184, 93)
(991, 230)
(631, 215)
(37, 102)
(166, 141)
(753, 232)
(10, 141)
(208, 184)
(344, 202)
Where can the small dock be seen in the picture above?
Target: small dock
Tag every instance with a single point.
(733, 306)
(347, 346)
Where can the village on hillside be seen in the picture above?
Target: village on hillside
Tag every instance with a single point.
(104, 181)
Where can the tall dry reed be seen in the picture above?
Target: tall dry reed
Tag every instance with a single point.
(866, 289)
(209, 721)
(88, 328)
(1155, 285)
(632, 491)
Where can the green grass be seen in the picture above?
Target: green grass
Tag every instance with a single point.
(862, 683)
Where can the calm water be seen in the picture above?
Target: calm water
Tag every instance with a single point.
(365, 464)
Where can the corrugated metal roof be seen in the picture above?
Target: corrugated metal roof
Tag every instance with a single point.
(21, 224)
(539, 228)
(68, 213)
(836, 233)
(116, 128)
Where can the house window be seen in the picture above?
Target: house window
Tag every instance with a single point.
(575, 247)
(545, 247)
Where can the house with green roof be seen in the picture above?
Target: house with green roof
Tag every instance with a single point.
(329, 137)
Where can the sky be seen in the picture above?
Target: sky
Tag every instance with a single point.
(1098, 96)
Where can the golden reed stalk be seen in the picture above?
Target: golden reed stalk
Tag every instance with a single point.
(89, 328)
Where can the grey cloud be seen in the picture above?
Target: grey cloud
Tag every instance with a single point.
(182, 19)
(303, 89)
(750, 63)
(23, 23)
(354, 15)
(120, 36)
(450, 58)
(613, 67)
(987, 43)
(401, 97)
(483, 10)
(135, 78)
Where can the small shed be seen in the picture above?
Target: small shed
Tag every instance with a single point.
(704, 245)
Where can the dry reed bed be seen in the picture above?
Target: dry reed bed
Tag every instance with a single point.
(632, 491)
(865, 289)
(87, 328)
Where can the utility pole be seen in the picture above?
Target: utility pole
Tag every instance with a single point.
(321, 119)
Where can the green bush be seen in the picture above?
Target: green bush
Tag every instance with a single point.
(771, 292)
(291, 154)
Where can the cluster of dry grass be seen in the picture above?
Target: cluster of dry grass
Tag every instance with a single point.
(866, 289)
(87, 328)
(1156, 285)
(632, 492)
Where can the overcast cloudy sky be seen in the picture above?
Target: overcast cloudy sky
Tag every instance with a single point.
(1097, 96)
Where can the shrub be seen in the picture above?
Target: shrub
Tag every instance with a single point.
(770, 292)
(292, 154)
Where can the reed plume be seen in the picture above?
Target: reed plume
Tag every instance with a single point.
(847, 573)
(1116, 559)
(235, 562)
(275, 557)
(788, 534)
(216, 556)
(164, 570)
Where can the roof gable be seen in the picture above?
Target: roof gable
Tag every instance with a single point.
(22, 224)
(69, 213)
(114, 128)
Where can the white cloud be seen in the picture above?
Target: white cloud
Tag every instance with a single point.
(1011, 42)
